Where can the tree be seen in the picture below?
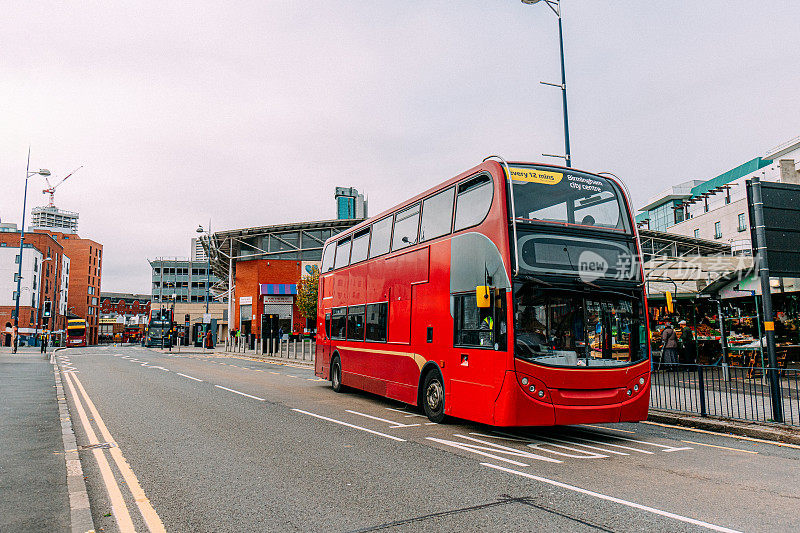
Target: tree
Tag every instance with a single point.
(307, 290)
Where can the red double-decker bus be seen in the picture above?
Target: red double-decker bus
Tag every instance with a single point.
(510, 295)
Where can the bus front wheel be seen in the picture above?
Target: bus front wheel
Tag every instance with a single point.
(336, 374)
(433, 397)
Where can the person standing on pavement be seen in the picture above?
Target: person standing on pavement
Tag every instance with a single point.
(687, 342)
(44, 343)
(669, 347)
(15, 337)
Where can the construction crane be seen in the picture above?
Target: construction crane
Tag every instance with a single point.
(51, 189)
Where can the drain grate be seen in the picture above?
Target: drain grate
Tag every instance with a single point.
(100, 445)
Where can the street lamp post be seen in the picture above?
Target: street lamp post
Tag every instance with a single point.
(208, 274)
(28, 174)
(555, 7)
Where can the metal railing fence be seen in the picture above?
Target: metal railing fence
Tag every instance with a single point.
(741, 393)
(298, 350)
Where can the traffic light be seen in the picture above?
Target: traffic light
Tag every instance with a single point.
(47, 309)
(186, 318)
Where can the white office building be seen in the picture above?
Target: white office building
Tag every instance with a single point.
(31, 276)
(716, 209)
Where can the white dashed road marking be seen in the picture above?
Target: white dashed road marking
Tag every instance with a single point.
(241, 393)
(350, 425)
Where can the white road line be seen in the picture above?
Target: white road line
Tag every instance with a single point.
(740, 437)
(118, 506)
(187, 376)
(394, 424)
(653, 510)
(721, 447)
(614, 445)
(406, 413)
(151, 518)
(543, 438)
(350, 425)
(604, 427)
(664, 446)
(242, 393)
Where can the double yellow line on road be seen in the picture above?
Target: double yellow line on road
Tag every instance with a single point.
(118, 505)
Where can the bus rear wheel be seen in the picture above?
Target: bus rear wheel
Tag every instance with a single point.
(433, 397)
(336, 374)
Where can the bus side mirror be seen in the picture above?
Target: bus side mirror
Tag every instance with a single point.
(482, 295)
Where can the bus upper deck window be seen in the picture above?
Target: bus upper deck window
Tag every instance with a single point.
(342, 253)
(327, 258)
(473, 201)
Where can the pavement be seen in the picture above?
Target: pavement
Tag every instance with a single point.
(33, 477)
(229, 443)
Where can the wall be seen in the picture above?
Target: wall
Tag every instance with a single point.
(249, 274)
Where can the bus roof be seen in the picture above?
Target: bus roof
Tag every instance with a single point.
(490, 165)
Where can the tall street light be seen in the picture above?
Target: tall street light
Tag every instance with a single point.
(28, 174)
(555, 7)
(208, 270)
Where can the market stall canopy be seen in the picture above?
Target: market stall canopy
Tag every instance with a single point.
(689, 276)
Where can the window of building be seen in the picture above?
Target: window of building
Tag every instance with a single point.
(697, 234)
(360, 246)
(381, 237)
(338, 322)
(717, 230)
(742, 223)
(376, 321)
(437, 215)
(355, 323)
(473, 201)
(406, 225)
(342, 253)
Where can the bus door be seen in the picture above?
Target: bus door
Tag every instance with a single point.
(479, 344)
(325, 345)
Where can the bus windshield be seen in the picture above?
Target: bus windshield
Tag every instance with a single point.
(76, 332)
(567, 327)
(543, 194)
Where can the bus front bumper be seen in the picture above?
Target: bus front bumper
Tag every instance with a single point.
(516, 407)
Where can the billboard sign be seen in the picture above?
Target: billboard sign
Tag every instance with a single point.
(781, 208)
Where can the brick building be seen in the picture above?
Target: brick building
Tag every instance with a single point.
(43, 261)
(259, 268)
(85, 274)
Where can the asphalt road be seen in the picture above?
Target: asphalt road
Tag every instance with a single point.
(197, 443)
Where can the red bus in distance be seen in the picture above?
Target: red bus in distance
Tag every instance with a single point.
(509, 295)
(76, 333)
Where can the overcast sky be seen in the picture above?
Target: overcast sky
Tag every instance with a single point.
(250, 113)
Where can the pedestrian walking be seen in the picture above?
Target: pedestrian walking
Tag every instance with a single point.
(209, 340)
(15, 337)
(669, 347)
(44, 343)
